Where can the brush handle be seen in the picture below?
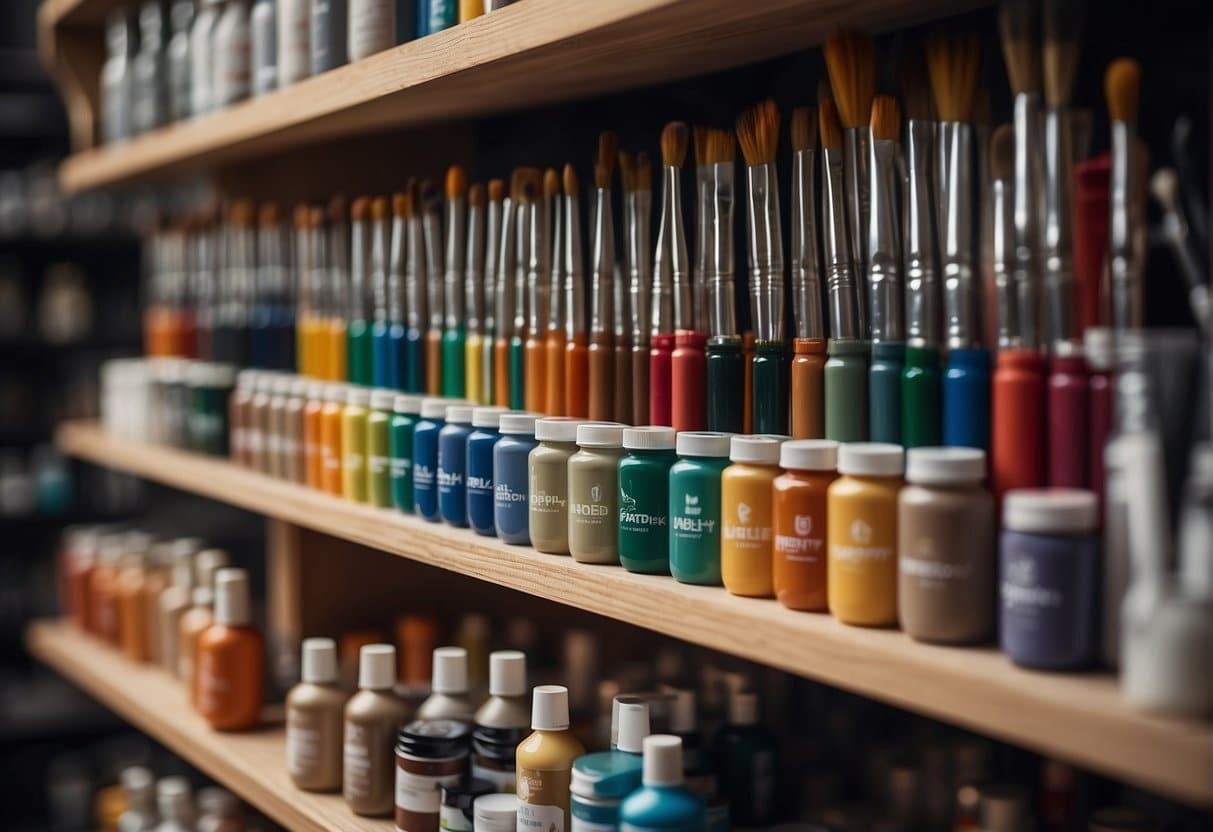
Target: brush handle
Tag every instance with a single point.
(884, 391)
(846, 390)
(808, 394)
(726, 372)
(555, 350)
(414, 360)
(966, 399)
(359, 352)
(1068, 407)
(688, 379)
(640, 385)
(621, 380)
(577, 378)
(660, 380)
(771, 388)
(601, 363)
(335, 343)
(517, 373)
(1018, 421)
(501, 372)
(454, 379)
(920, 381)
(535, 381)
(473, 368)
(433, 362)
(1091, 183)
(397, 352)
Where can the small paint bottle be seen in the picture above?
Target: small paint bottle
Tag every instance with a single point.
(502, 721)
(378, 448)
(373, 717)
(372, 27)
(602, 780)
(695, 506)
(231, 658)
(406, 412)
(425, 457)
(545, 762)
(1047, 577)
(315, 709)
(263, 28)
(946, 551)
(746, 531)
(313, 457)
(293, 440)
(452, 464)
(457, 799)
(257, 428)
(174, 601)
(747, 763)
(798, 567)
(128, 598)
(484, 436)
(239, 414)
(353, 443)
(662, 802)
(430, 754)
(644, 499)
(594, 493)
(294, 49)
(330, 438)
(548, 467)
(327, 35)
(511, 491)
(449, 697)
(861, 526)
(276, 427)
(231, 55)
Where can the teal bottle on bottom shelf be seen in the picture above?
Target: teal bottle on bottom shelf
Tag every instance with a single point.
(846, 390)
(644, 499)
(662, 802)
(884, 392)
(599, 782)
(920, 423)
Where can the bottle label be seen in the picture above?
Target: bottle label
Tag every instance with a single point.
(421, 793)
(693, 522)
(861, 545)
(353, 461)
(502, 778)
(423, 477)
(302, 742)
(542, 796)
(378, 464)
(401, 466)
(583, 825)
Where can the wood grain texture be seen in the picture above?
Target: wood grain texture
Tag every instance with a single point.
(251, 764)
(530, 53)
(1076, 717)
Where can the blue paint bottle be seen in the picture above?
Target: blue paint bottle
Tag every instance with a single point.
(966, 399)
(452, 464)
(425, 457)
(601, 781)
(484, 436)
(511, 490)
(662, 802)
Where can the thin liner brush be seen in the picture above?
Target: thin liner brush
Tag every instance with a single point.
(728, 365)
(492, 247)
(339, 286)
(703, 196)
(602, 277)
(474, 297)
(670, 297)
(577, 361)
(272, 341)
(621, 302)
(416, 292)
(431, 227)
(640, 259)
(809, 346)
(1122, 86)
(923, 211)
(394, 312)
(537, 276)
(318, 260)
(363, 282)
(306, 300)
(555, 340)
(454, 332)
(507, 253)
(983, 132)
(526, 215)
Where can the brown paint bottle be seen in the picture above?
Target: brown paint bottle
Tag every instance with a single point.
(315, 709)
(231, 658)
(373, 717)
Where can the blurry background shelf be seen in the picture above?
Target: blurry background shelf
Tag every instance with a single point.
(1076, 717)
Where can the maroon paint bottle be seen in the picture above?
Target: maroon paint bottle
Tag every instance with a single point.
(1068, 405)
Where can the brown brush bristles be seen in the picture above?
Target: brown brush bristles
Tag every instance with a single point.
(886, 118)
(1063, 23)
(316, 220)
(1019, 30)
(1122, 86)
(758, 133)
(570, 183)
(527, 191)
(496, 190)
(604, 165)
(644, 172)
(302, 212)
(699, 134)
(953, 61)
(915, 85)
(827, 120)
(627, 171)
(241, 213)
(551, 183)
(824, 91)
(402, 206)
(456, 182)
(379, 208)
(804, 128)
(674, 145)
(1002, 152)
(476, 195)
(360, 209)
(521, 179)
(268, 215)
(338, 208)
(851, 63)
(723, 147)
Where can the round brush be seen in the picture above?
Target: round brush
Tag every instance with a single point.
(338, 257)
(474, 297)
(454, 333)
(554, 341)
(492, 248)
(367, 328)
(435, 284)
(415, 292)
(727, 367)
(809, 346)
(577, 358)
(602, 277)
(670, 297)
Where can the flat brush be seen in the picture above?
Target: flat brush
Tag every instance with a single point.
(728, 367)
(474, 296)
(1122, 86)
(306, 298)
(431, 227)
(492, 251)
(576, 359)
(416, 292)
(621, 300)
(923, 213)
(640, 262)
(339, 286)
(809, 346)
(454, 331)
(537, 277)
(671, 297)
(503, 288)
(554, 339)
(602, 279)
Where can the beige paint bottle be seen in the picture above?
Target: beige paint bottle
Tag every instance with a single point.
(449, 698)
(545, 763)
(314, 712)
(373, 717)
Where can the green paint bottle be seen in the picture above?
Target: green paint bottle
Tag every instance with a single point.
(920, 397)
(846, 390)
(695, 506)
(378, 449)
(406, 411)
(644, 499)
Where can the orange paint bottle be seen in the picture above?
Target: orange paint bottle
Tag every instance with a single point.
(746, 531)
(330, 438)
(313, 462)
(132, 611)
(800, 506)
(808, 388)
(231, 658)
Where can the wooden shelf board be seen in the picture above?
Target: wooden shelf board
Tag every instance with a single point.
(1077, 717)
(530, 53)
(251, 764)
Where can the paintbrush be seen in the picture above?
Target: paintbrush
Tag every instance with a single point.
(923, 218)
(492, 246)
(671, 296)
(728, 365)
(1002, 239)
(537, 276)
(621, 301)
(389, 350)
(841, 292)
(1122, 86)
(1164, 186)
(576, 364)
(363, 281)
(640, 261)
(703, 197)
(318, 261)
(473, 295)
(454, 333)
(507, 252)
(807, 315)
(554, 341)
(415, 292)
(602, 279)
(431, 228)
(305, 293)
(338, 236)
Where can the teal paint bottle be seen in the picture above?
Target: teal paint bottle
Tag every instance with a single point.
(694, 519)
(601, 781)
(846, 390)
(920, 380)
(406, 410)
(884, 391)
(644, 499)
(662, 802)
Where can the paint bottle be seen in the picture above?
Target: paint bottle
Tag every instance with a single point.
(511, 491)
(275, 428)
(430, 754)
(449, 697)
(545, 762)
(966, 398)
(698, 765)
(181, 15)
(373, 717)
(315, 709)
(327, 35)
(257, 430)
(861, 526)
(231, 658)
(747, 763)
(231, 55)
(808, 388)
(884, 391)
(353, 443)
(263, 26)
(331, 448)
(502, 722)
(688, 375)
(425, 457)
(548, 467)
(798, 567)
(406, 411)
(725, 371)
(313, 456)
(644, 499)
(457, 800)
(194, 622)
(946, 548)
(745, 515)
(1067, 405)
(174, 601)
(594, 493)
(372, 27)
(1017, 421)
(294, 49)
(442, 14)
(1047, 577)
(149, 81)
(695, 506)
(495, 813)
(920, 422)
(378, 448)
(128, 597)
(294, 463)
(663, 802)
(452, 464)
(483, 437)
(602, 780)
(845, 385)
(239, 414)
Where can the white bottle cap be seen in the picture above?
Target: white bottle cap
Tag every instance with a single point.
(633, 726)
(486, 417)
(450, 673)
(507, 673)
(682, 711)
(376, 667)
(232, 598)
(382, 400)
(649, 438)
(1099, 345)
(265, 379)
(173, 798)
(137, 782)
(357, 396)
(459, 414)
(809, 455)
(1050, 511)
(495, 813)
(870, 459)
(206, 564)
(743, 708)
(600, 435)
(202, 596)
(434, 407)
(704, 443)
(550, 708)
(557, 429)
(335, 393)
(409, 404)
(945, 466)
(319, 661)
(518, 424)
(300, 387)
(247, 378)
(315, 391)
(759, 450)
(282, 383)
(662, 760)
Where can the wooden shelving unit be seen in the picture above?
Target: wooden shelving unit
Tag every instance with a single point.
(252, 764)
(1077, 717)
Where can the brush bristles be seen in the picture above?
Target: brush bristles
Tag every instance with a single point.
(1002, 152)
(674, 145)
(525, 181)
(1063, 23)
(551, 183)
(953, 61)
(456, 182)
(644, 172)
(1122, 86)
(827, 120)
(758, 133)
(804, 128)
(528, 191)
(571, 186)
(402, 206)
(496, 190)
(604, 166)
(851, 63)
(379, 208)
(886, 118)
(476, 195)
(302, 214)
(316, 218)
(700, 134)
(824, 91)
(627, 171)
(337, 209)
(915, 85)
(1019, 30)
(722, 147)
(268, 215)
(982, 113)
(360, 209)
(241, 213)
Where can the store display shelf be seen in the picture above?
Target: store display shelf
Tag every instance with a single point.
(1081, 718)
(252, 764)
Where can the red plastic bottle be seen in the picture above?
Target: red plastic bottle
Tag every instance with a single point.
(1069, 419)
(688, 377)
(660, 370)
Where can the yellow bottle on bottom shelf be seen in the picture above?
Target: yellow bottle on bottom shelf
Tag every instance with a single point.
(861, 528)
(746, 522)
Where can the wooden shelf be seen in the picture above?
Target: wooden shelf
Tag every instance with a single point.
(251, 764)
(1077, 717)
(531, 53)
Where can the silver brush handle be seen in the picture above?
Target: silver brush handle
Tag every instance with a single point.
(1002, 244)
(1125, 276)
(722, 303)
(840, 277)
(1058, 240)
(806, 275)
(959, 297)
(452, 296)
(603, 264)
(883, 245)
(765, 252)
(922, 264)
(640, 280)
(431, 226)
(473, 283)
(855, 171)
(1027, 219)
(574, 273)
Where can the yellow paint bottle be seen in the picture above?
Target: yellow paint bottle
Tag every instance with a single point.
(746, 525)
(353, 444)
(473, 352)
(336, 339)
(862, 534)
(330, 438)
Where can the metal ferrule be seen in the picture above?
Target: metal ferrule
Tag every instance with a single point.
(506, 258)
(806, 275)
(492, 245)
(1002, 247)
(244, 269)
(884, 245)
(640, 280)
(537, 269)
(473, 284)
(556, 299)
(959, 295)
(671, 301)
(602, 274)
(452, 282)
(522, 261)
(1122, 263)
(922, 269)
(339, 275)
(722, 303)
(360, 269)
(394, 273)
(305, 295)
(765, 251)
(271, 264)
(1027, 218)
(703, 228)
(416, 293)
(841, 294)
(1058, 242)
(855, 170)
(318, 259)
(431, 228)
(574, 271)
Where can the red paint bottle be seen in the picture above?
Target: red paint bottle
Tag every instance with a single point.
(661, 355)
(688, 373)
(1069, 416)
(1017, 421)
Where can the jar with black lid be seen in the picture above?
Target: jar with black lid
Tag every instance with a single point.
(457, 800)
(493, 754)
(430, 754)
